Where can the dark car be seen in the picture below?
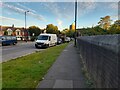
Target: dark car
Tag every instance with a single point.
(59, 40)
(7, 40)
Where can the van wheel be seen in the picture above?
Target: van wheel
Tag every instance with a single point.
(55, 44)
(36, 46)
(47, 45)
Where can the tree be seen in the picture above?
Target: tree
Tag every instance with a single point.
(117, 22)
(103, 28)
(34, 30)
(6, 32)
(52, 29)
(115, 28)
(105, 22)
(68, 33)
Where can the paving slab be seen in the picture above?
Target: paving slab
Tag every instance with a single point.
(47, 84)
(63, 84)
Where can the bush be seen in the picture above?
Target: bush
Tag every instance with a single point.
(33, 38)
(99, 31)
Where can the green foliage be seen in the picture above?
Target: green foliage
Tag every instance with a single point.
(33, 38)
(6, 32)
(117, 22)
(68, 33)
(34, 29)
(103, 28)
(105, 22)
(113, 29)
(52, 29)
(89, 81)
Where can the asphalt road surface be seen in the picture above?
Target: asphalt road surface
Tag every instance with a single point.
(14, 51)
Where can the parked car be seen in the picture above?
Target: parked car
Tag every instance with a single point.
(67, 39)
(7, 40)
(59, 40)
(72, 39)
(46, 40)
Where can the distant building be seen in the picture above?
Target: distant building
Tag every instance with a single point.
(20, 33)
(72, 26)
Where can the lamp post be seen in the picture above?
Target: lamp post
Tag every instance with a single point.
(75, 20)
(25, 26)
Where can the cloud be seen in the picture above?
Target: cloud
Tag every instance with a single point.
(40, 17)
(115, 17)
(9, 19)
(85, 8)
(113, 5)
(21, 11)
(24, 7)
(66, 11)
(53, 7)
(16, 9)
(59, 22)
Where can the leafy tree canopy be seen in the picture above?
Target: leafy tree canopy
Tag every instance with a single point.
(6, 32)
(52, 29)
(34, 30)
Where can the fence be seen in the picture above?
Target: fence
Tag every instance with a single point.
(101, 56)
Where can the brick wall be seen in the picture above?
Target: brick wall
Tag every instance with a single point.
(101, 56)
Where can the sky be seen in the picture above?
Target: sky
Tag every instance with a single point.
(60, 14)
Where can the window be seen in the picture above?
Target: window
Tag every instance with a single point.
(43, 37)
(8, 38)
(18, 33)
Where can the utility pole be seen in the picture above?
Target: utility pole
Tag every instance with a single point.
(75, 21)
(25, 25)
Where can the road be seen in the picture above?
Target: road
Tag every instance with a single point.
(14, 51)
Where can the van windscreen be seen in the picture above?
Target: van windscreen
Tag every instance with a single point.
(42, 37)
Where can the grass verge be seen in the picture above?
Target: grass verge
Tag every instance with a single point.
(88, 80)
(28, 71)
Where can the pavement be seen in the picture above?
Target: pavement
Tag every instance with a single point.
(65, 72)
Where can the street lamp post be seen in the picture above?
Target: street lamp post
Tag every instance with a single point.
(75, 21)
(25, 26)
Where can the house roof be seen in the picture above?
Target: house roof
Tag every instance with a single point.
(3, 28)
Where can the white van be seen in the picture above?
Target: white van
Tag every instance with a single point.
(46, 40)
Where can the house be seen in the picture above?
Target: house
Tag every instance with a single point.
(19, 32)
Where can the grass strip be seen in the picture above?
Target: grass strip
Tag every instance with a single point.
(88, 80)
(28, 71)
